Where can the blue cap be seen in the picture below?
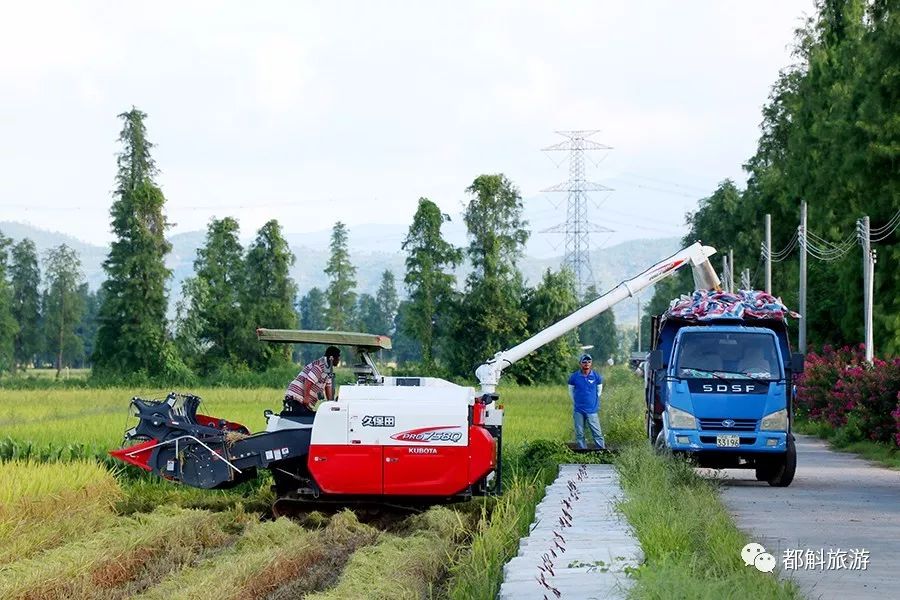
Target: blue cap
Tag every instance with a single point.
(585, 357)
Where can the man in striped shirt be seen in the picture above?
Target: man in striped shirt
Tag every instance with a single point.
(315, 381)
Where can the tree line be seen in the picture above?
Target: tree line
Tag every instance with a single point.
(44, 321)
(830, 135)
(442, 327)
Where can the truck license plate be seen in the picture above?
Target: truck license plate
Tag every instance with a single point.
(728, 441)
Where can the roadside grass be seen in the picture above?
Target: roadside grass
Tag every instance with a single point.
(882, 453)
(112, 561)
(495, 538)
(45, 505)
(691, 545)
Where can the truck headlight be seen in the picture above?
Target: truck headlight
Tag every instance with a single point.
(681, 419)
(776, 421)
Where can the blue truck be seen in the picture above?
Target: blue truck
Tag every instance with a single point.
(720, 391)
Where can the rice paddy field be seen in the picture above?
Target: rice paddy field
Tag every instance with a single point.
(75, 524)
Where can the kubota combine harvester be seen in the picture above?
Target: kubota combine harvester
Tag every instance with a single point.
(389, 440)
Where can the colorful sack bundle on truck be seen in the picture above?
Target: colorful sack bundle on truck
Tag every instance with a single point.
(703, 305)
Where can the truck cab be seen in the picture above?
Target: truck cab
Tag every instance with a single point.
(720, 391)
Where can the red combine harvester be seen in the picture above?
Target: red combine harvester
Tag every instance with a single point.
(407, 441)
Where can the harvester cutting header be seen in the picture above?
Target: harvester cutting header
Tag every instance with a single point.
(397, 440)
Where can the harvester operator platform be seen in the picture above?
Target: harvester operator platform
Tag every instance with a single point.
(313, 383)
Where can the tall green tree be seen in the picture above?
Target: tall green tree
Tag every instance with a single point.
(65, 305)
(269, 293)
(404, 347)
(387, 302)
(368, 317)
(313, 308)
(189, 323)
(25, 277)
(429, 279)
(8, 325)
(342, 274)
(225, 330)
(132, 333)
(490, 317)
(87, 327)
(551, 300)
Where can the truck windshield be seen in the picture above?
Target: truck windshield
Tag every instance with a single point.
(706, 354)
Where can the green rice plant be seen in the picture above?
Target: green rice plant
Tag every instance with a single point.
(113, 561)
(147, 493)
(67, 424)
(691, 544)
(267, 557)
(43, 505)
(495, 538)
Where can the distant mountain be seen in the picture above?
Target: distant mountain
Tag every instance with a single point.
(373, 249)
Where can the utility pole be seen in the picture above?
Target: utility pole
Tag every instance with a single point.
(865, 238)
(577, 228)
(731, 286)
(801, 342)
(746, 284)
(768, 253)
(725, 284)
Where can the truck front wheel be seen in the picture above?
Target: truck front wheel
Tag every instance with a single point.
(783, 473)
(654, 428)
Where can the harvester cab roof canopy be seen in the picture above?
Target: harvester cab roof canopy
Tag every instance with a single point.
(364, 343)
(369, 341)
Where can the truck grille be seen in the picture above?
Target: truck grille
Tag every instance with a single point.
(716, 424)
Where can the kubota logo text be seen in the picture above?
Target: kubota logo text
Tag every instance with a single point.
(444, 433)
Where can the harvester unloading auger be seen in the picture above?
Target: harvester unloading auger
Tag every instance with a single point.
(385, 440)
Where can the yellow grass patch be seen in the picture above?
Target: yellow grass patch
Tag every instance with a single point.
(43, 505)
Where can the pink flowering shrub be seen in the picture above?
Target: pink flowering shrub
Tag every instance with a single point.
(816, 384)
(896, 414)
(841, 388)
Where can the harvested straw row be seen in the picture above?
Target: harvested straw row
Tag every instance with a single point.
(107, 563)
(415, 562)
(268, 557)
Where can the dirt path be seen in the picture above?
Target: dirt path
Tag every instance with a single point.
(836, 502)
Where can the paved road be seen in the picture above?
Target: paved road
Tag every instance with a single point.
(837, 501)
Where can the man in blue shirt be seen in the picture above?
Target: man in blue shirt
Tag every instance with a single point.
(585, 387)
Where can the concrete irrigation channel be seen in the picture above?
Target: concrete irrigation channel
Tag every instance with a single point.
(837, 503)
(579, 545)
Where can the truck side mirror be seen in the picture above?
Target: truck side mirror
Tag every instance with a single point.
(797, 360)
(654, 359)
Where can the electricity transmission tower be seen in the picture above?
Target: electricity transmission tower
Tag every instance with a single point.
(577, 227)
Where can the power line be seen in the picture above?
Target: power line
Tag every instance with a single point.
(886, 230)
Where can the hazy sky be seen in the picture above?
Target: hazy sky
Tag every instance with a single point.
(310, 112)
